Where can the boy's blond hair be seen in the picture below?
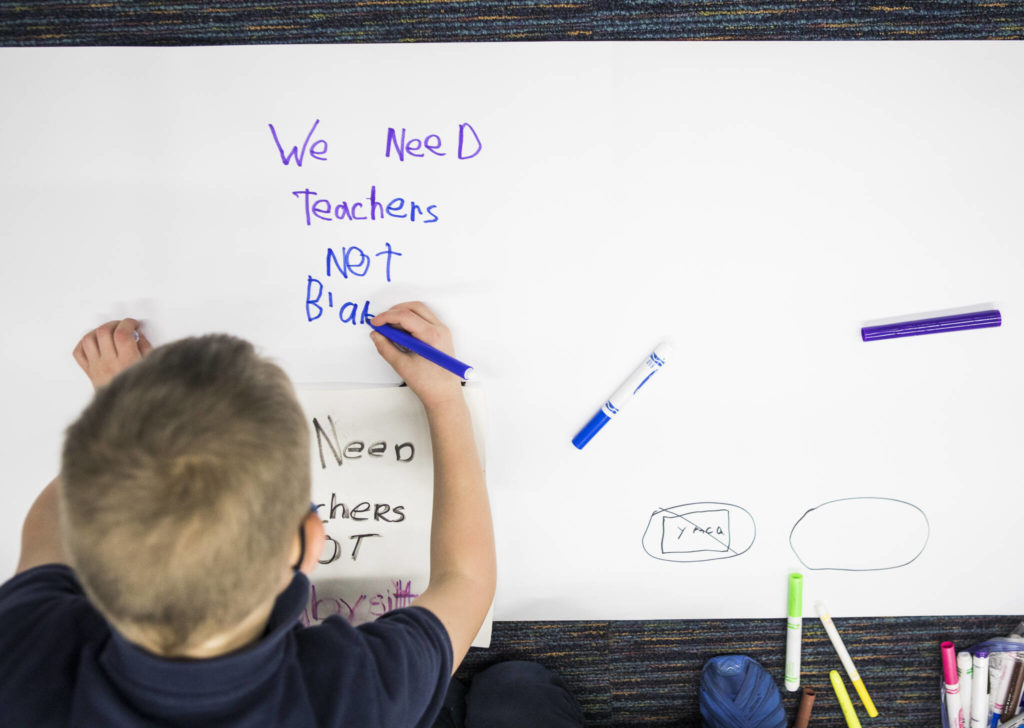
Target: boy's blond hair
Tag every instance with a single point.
(183, 485)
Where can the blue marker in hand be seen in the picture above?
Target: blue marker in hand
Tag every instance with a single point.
(410, 342)
(651, 366)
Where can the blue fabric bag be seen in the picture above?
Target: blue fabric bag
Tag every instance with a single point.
(736, 692)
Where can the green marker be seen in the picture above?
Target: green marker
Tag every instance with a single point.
(794, 630)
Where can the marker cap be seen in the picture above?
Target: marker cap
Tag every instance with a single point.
(663, 352)
(590, 429)
(796, 594)
(949, 663)
(869, 704)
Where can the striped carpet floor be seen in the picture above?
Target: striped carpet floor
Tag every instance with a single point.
(648, 673)
(122, 22)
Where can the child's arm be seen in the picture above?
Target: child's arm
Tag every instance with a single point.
(102, 354)
(462, 561)
(40, 534)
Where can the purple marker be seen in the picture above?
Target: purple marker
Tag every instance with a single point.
(959, 322)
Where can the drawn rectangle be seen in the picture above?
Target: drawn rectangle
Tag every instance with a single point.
(684, 533)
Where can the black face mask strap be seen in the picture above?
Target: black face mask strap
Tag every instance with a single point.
(302, 547)
(302, 541)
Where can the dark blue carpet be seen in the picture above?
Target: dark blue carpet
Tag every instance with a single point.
(74, 22)
(648, 673)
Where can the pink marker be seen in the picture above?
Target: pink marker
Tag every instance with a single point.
(954, 710)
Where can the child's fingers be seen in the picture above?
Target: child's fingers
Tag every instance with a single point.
(105, 339)
(90, 347)
(415, 324)
(144, 346)
(417, 307)
(402, 318)
(394, 315)
(79, 355)
(388, 351)
(125, 344)
(421, 309)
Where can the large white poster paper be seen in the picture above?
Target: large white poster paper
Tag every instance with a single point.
(755, 203)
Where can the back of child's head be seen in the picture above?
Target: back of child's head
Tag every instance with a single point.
(184, 483)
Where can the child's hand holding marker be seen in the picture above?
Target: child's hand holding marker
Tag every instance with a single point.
(419, 348)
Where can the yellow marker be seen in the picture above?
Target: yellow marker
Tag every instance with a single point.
(844, 657)
(852, 721)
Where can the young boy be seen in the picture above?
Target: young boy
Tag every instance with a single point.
(162, 573)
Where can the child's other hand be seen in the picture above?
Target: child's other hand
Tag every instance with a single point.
(432, 384)
(105, 352)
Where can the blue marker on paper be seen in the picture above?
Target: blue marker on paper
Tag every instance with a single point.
(410, 342)
(651, 366)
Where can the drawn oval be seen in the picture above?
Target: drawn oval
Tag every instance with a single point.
(704, 531)
(860, 534)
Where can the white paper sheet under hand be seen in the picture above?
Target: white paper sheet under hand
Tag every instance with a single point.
(373, 478)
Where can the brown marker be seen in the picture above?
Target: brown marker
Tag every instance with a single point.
(803, 713)
(1013, 696)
